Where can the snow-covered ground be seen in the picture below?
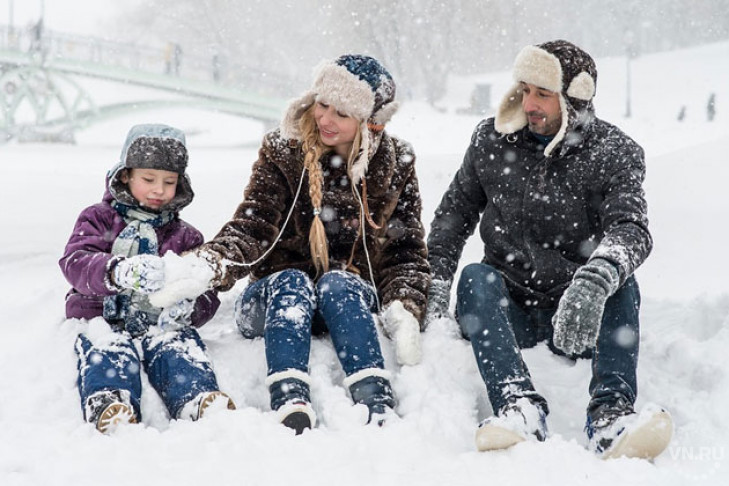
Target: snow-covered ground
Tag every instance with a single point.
(685, 319)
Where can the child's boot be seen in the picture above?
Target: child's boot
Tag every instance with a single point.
(109, 409)
(290, 399)
(210, 402)
(206, 403)
(371, 388)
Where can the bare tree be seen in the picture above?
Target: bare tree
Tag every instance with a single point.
(272, 45)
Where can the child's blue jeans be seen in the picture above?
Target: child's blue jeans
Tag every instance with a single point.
(175, 363)
(498, 328)
(286, 307)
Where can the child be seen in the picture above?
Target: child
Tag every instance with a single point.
(112, 262)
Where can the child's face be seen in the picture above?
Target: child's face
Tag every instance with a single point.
(153, 188)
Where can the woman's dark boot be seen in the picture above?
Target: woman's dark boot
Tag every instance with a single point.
(371, 388)
(290, 399)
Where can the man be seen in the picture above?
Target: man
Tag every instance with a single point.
(562, 212)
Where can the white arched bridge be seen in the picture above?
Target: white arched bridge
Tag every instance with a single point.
(42, 100)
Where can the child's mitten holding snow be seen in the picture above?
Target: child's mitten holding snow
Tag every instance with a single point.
(141, 273)
(176, 316)
(403, 328)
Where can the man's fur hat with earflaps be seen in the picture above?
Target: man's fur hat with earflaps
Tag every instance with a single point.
(358, 86)
(558, 66)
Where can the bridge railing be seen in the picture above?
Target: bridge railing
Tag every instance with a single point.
(170, 59)
(46, 44)
(198, 80)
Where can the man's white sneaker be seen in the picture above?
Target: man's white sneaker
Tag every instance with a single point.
(643, 435)
(517, 422)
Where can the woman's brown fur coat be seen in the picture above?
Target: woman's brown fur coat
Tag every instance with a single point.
(397, 250)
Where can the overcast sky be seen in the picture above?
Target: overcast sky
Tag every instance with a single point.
(70, 16)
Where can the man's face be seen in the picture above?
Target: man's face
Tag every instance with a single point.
(542, 109)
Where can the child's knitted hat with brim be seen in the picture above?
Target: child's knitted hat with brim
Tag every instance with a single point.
(153, 146)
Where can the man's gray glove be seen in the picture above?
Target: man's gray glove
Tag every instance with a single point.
(579, 313)
(141, 273)
(439, 299)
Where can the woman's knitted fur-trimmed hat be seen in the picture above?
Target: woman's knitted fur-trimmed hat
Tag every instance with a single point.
(358, 86)
(558, 66)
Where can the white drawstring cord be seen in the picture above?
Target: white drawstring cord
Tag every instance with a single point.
(363, 225)
(283, 227)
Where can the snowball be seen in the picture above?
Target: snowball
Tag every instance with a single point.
(186, 277)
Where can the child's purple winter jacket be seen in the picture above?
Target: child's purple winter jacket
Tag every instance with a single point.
(87, 260)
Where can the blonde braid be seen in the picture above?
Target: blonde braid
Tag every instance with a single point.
(313, 150)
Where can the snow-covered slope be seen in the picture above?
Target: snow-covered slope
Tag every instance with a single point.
(685, 324)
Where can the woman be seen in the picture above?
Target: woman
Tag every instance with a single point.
(324, 259)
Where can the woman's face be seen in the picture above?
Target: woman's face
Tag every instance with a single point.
(336, 130)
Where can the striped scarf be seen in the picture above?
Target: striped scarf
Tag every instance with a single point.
(129, 309)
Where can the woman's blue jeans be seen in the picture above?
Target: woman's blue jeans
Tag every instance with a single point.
(286, 307)
(498, 328)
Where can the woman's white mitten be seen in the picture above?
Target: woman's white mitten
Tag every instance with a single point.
(404, 329)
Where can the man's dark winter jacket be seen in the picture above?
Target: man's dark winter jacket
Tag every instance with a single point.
(397, 251)
(543, 217)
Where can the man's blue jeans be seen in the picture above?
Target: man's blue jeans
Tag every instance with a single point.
(498, 328)
(287, 306)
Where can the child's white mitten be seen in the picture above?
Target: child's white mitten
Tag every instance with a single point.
(141, 273)
(176, 316)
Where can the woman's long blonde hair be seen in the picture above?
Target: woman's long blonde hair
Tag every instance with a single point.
(313, 149)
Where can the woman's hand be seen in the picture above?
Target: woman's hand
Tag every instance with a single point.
(403, 328)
